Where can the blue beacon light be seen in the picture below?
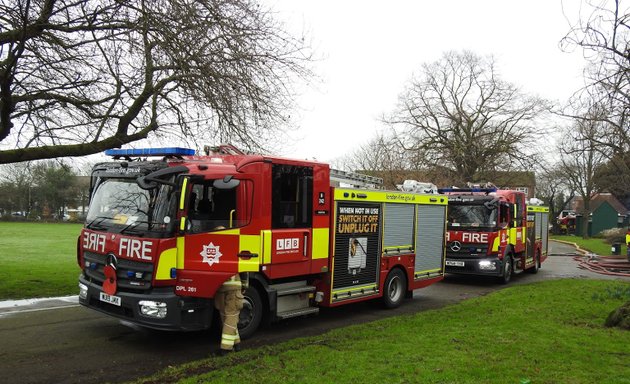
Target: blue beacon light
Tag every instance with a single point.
(169, 151)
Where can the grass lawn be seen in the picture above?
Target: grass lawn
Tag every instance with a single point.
(597, 246)
(550, 332)
(38, 259)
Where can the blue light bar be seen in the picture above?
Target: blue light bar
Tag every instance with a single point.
(170, 151)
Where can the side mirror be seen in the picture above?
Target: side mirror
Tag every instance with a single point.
(227, 183)
(492, 204)
(145, 183)
(152, 180)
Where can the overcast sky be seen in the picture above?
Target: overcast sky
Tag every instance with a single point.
(370, 49)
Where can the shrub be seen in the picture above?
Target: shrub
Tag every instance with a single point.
(613, 235)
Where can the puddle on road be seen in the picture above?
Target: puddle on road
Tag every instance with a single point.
(36, 302)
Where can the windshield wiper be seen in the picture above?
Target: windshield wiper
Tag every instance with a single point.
(95, 225)
(130, 229)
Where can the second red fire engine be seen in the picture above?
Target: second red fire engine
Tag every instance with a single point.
(494, 233)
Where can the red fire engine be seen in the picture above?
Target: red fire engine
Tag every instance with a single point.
(494, 233)
(161, 236)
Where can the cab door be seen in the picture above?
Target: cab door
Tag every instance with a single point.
(532, 232)
(213, 212)
(520, 224)
(291, 220)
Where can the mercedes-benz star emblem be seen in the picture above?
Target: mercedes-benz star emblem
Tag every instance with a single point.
(111, 260)
(456, 246)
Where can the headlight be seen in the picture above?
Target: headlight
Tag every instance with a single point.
(155, 309)
(83, 291)
(487, 265)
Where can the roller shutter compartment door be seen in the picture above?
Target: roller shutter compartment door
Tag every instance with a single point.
(398, 227)
(545, 232)
(429, 237)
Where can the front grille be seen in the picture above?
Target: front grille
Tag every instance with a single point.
(467, 251)
(126, 271)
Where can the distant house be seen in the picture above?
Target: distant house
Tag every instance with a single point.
(606, 212)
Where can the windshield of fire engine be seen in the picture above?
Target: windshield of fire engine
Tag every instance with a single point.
(120, 205)
(471, 216)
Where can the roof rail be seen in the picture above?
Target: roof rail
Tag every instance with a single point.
(355, 179)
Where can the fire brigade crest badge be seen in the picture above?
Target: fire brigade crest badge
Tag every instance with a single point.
(211, 254)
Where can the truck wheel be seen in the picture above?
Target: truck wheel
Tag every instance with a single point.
(252, 313)
(394, 289)
(507, 270)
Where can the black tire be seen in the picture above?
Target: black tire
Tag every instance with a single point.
(394, 288)
(252, 313)
(506, 274)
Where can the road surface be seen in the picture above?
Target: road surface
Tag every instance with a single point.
(56, 341)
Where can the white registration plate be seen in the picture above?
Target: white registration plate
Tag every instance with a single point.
(110, 299)
(454, 263)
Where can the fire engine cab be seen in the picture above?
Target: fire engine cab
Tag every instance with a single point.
(166, 227)
(494, 232)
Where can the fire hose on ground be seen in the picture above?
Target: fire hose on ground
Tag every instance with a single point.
(604, 265)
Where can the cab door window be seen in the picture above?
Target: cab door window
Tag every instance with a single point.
(519, 210)
(292, 201)
(215, 206)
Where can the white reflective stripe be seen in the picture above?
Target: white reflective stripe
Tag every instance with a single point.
(226, 336)
(232, 283)
(229, 343)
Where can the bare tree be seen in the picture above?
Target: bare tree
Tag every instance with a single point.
(381, 156)
(602, 30)
(553, 187)
(581, 155)
(614, 176)
(384, 156)
(81, 76)
(458, 113)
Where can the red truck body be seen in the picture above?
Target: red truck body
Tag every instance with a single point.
(162, 236)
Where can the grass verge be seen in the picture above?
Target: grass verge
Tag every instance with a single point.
(548, 332)
(38, 259)
(594, 245)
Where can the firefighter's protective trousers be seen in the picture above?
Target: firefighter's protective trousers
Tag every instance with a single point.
(229, 302)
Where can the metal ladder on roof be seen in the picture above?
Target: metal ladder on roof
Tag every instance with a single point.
(355, 180)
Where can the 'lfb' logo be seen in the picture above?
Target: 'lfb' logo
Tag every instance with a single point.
(288, 244)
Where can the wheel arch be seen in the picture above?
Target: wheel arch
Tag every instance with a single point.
(405, 271)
